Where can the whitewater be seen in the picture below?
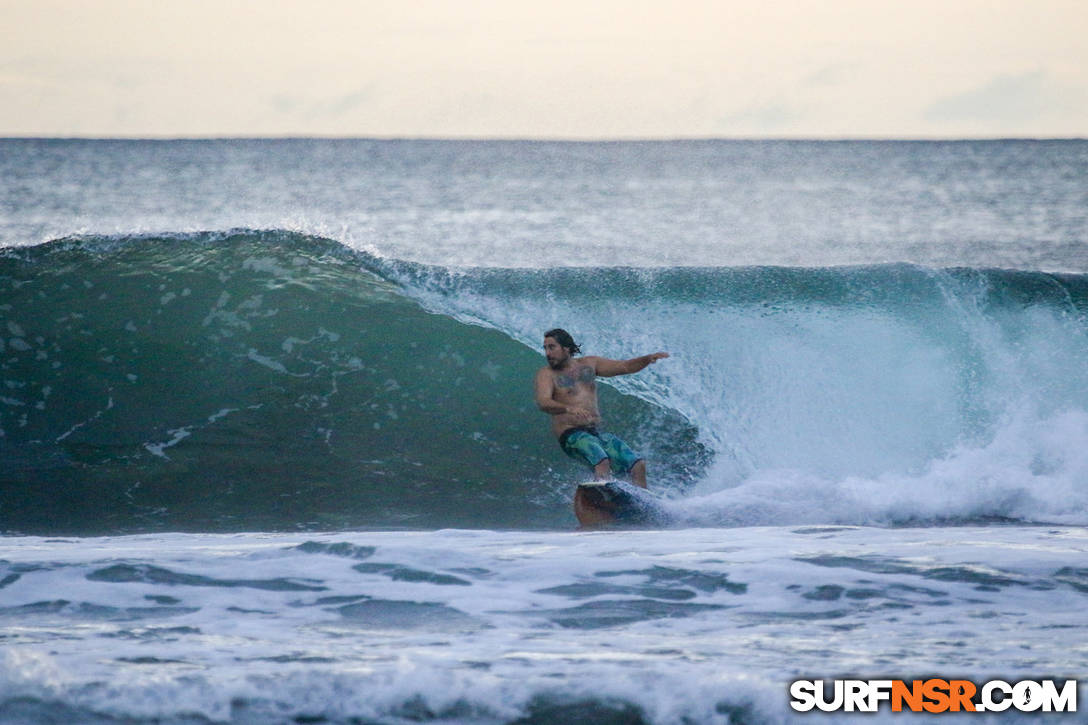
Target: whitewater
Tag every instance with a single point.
(269, 451)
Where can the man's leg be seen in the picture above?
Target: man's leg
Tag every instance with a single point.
(590, 507)
(625, 459)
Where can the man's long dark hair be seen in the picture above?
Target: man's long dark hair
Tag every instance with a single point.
(564, 339)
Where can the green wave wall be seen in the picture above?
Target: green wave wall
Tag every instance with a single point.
(267, 380)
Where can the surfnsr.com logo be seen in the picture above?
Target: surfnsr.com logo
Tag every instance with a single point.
(933, 696)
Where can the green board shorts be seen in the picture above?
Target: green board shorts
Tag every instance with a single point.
(591, 446)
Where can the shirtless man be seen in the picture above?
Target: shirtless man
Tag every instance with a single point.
(567, 390)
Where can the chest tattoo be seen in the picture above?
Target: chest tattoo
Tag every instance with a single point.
(584, 375)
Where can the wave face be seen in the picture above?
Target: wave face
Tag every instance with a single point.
(272, 380)
(266, 380)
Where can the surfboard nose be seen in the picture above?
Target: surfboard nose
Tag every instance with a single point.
(593, 507)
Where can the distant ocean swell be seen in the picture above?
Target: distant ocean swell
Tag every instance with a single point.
(270, 380)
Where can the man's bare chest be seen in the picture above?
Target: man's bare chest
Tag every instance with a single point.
(575, 380)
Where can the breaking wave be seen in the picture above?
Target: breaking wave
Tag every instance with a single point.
(273, 380)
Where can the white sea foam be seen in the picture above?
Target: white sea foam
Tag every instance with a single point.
(1034, 469)
(483, 626)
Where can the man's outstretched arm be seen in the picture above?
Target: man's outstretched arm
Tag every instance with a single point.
(610, 368)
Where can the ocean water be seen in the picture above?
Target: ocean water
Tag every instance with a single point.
(268, 452)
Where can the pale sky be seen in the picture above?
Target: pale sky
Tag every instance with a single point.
(545, 69)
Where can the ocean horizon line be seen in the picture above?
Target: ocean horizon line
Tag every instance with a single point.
(469, 138)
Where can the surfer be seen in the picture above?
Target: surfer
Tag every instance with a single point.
(567, 390)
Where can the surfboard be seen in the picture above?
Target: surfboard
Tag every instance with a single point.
(601, 503)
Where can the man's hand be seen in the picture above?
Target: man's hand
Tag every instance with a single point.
(581, 415)
(609, 368)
